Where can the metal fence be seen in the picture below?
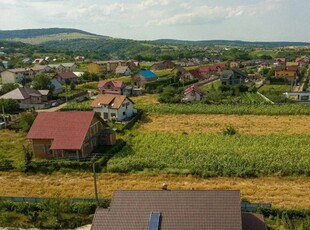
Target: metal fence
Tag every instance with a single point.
(40, 199)
(252, 207)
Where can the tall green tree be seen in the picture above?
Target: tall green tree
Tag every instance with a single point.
(42, 81)
(8, 87)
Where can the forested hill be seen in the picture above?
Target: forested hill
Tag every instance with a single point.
(30, 33)
(232, 43)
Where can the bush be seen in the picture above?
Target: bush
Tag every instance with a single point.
(6, 165)
(49, 166)
(230, 130)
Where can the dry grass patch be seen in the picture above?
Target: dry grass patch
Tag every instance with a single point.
(245, 124)
(288, 192)
(146, 99)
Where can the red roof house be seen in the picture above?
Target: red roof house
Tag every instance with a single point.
(193, 93)
(65, 134)
(111, 87)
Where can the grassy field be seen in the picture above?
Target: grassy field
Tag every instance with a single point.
(275, 92)
(55, 37)
(245, 124)
(146, 99)
(198, 108)
(163, 73)
(288, 192)
(213, 85)
(11, 147)
(207, 155)
(275, 88)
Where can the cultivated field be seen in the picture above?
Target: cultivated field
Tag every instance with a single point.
(245, 124)
(288, 192)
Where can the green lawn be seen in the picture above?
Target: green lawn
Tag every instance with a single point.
(275, 92)
(212, 85)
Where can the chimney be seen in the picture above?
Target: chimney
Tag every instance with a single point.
(165, 186)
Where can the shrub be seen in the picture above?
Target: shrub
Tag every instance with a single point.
(230, 130)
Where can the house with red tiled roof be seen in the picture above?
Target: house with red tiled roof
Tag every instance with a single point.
(71, 135)
(113, 107)
(193, 93)
(111, 87)
(176, 209)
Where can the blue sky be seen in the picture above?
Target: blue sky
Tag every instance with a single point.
(250, 20)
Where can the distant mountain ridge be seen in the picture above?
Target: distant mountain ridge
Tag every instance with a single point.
(31, 33)
(38, 36)
(232, 43)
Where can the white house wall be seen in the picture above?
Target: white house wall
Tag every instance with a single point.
(192, 97)
(120, 114)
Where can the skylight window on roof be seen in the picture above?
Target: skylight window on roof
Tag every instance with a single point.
(154, 221)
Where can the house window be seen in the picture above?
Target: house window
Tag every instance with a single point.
(105, 116)
(124, 113)
(47, 149)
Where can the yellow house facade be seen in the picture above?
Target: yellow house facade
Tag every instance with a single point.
(102, 67)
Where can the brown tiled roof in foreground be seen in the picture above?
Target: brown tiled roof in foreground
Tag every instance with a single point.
(179, 209)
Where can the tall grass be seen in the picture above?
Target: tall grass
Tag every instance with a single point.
(215, 154)
(199, 108)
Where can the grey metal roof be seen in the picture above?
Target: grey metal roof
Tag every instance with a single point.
(179, 209)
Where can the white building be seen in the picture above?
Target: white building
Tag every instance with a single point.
(113, 107)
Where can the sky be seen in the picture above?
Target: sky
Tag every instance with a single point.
(247, 20)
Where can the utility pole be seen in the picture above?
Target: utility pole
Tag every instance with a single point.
(3, 116)
(95, 179)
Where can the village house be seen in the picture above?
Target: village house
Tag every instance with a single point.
(70, 135)
(111, 87)
(57, 86)
(167, 64)
(133, 64)
(57, 67)
(41, 69)
(233, 77)
(113, 107)
(27, 97)
(281, 61)
(69, 66)
(234, 64)
(303, 96)
(66, 77)
(40, 61)
(123, 71)
(303, 62)
(176, 209)
(288, 73)
(140, 79)
(179, 69)
(18, 75)
(79, 58)
(103, 67)
(193, 93)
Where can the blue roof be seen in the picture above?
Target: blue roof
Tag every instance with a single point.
(147, 74)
